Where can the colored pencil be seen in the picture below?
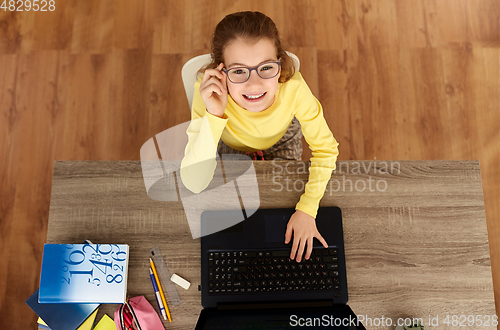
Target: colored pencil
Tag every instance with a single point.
(157, 293)
(160, 288)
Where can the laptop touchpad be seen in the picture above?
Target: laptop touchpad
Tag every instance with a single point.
(276, 227)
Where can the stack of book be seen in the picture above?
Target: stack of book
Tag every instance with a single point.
(77, 278)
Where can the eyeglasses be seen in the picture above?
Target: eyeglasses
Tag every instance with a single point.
(241, 74)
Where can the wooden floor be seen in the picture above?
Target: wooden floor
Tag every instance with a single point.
(94, 79)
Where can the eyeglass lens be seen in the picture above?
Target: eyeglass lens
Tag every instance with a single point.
(265, 71)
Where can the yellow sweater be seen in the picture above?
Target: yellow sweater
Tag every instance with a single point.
(251, 131)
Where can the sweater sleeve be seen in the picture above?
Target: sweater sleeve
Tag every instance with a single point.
(324, 149)
(204, 132)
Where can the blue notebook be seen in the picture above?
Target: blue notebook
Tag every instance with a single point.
(61, 316)
(84, 273)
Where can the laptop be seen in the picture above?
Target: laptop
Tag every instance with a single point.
(249, 282)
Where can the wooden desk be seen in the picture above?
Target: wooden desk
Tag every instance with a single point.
(415, 232)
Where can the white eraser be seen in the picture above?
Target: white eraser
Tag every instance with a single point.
(180, 281)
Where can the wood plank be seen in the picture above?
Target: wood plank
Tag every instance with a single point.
(8, 172)
(168, 20)
(31, 154)
(53, 29)
(133, 24)
(93, 27)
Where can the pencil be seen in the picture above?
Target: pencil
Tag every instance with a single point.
(157, 294)
(160, 288)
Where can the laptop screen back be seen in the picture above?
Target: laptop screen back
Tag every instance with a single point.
(335, 317)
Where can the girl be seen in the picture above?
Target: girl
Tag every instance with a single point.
(251, 100)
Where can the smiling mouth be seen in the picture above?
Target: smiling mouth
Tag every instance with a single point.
(254, 97)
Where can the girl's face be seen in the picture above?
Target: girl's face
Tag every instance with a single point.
(248, 53)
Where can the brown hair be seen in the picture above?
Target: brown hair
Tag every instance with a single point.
(249, 25)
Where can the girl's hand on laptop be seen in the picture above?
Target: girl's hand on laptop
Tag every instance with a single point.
(304, 230)
(213, 90)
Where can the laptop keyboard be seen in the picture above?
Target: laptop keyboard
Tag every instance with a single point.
(246, 272)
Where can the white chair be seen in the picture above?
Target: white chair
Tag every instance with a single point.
(190, 69)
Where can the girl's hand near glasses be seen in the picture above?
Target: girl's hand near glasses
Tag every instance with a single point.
(213, 90)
